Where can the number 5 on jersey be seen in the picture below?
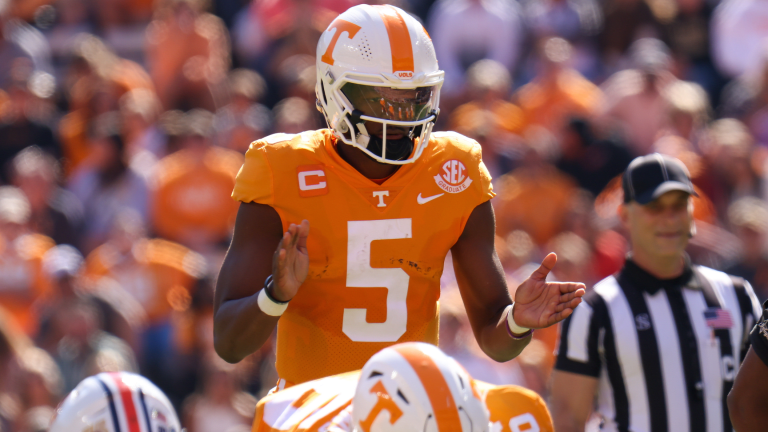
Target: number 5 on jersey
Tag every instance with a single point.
(360, 274)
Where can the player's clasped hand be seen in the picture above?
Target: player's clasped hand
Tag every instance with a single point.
(290, 262)
(539, 303)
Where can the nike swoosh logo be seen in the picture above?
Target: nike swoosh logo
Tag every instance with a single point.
(424, 200)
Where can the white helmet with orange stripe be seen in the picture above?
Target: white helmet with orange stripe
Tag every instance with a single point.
(416, 387)
(116, 402)
(376, 68)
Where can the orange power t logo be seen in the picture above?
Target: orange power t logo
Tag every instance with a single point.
(341, 26)
(384, 402)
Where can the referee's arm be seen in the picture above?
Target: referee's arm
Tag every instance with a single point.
(749, 395)
(574, 380)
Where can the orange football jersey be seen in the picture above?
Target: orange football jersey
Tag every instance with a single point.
(376, 251)
(189, 202)
(23, 281)
(327, 403)
(158, 273)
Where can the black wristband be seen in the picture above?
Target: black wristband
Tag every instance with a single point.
(267, 283)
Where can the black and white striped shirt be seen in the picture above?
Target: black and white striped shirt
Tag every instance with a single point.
(665, 352)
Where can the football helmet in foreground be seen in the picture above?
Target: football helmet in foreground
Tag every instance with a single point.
(116, 402)
(377, 64)
(416, 387)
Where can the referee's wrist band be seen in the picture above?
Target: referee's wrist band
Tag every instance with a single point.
(515, 331)
(267, 303)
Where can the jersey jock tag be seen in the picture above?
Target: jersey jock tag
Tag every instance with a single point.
(312, 180)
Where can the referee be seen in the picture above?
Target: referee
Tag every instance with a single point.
(655, 347)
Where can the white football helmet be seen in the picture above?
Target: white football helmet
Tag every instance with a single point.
(416, 387)
(378, 64)
(116, 402)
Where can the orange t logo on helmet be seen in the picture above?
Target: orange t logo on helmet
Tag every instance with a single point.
(385, 402)
(399, 39)
(341, 26)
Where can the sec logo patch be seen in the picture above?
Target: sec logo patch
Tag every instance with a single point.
(453, 177)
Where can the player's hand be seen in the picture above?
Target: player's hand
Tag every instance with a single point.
(539, 303)
(290, 262)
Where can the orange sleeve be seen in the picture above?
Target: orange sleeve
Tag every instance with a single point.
(484, 177)
(254, 180)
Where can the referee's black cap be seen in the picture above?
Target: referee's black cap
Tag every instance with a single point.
(651, 176)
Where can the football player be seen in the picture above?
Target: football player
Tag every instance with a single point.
(749, 395)
(116, 402)
(387, 200)
(406, 387)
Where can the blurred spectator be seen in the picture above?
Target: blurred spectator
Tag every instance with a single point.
(748, 217)
(685, 26)
(534, 198)
(746, 98)
(591, 161)
(105, 183)
(574, 258)
(220, 405)
(67, 20)
(115, 21)
(688, 112)
(83, 349)
(518, 255)
(12, 342)
(568, 19)
(54, 211)
(87, 328)
(634, 98)
(268, 33)
(158, 275)
(22, 284)
(457, 341)
(187, 54)
(40, 387)
(28, 116)
(37, 419)
(625, 21)
(739, 36)
(20, 41)
(535, 366)
(297, 76)
(558, 91)
(120, 314)
(488, 117)
(574, 263)
(190, 201)
(295, 115)
(491, 29)
(95, 81)
(243, 120)
(140, 110)
(732, 160)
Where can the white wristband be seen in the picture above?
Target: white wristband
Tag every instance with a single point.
(268, 306)
(511, 324)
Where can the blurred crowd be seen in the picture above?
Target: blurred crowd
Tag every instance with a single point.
(123, 124)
